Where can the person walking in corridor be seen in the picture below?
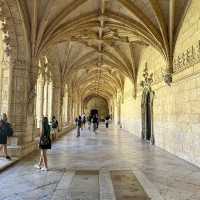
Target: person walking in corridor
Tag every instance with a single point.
(44, 144)
(5, 132)
(54, 127)
(94, 121)
(84, 121)
(89, 122)
(97, 117)
(76, 121)
(107, 121)
(79, 126)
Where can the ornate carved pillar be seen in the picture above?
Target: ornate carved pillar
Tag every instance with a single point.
(57, 103)
(50, 93)
(46, 96)
(31, 103)
(69, 109)
(40, 94)
(22, 101)
(18, 98)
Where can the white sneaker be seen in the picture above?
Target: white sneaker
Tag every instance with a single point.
(37, 166)
(44, 169)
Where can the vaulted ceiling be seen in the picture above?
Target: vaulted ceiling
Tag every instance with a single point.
(96, 43)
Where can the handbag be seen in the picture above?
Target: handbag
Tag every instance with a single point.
(45, 142)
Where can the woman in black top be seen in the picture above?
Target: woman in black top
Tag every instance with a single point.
(5, 128)
(45, 144)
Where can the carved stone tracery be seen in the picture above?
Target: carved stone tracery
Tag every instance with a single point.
(188, 58)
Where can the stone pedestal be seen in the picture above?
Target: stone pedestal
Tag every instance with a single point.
(16, 150)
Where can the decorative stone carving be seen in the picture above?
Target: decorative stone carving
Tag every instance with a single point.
(148, 78)
(188, 58)
(167, 77)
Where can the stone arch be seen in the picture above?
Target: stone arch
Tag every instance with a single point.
(102, 105)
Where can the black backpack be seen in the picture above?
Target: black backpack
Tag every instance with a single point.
(54, 124)
(9, 130)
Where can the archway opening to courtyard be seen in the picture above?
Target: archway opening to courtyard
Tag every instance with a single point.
(96, 105)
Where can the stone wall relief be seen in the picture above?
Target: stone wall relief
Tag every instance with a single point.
(188, 58)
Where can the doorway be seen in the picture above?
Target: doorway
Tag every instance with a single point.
(94, 112)
(147, 115)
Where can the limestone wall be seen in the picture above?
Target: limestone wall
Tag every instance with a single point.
(176, 108)
(131, 111)
(176, 116)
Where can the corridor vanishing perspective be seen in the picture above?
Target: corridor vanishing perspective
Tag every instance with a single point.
(132, 64)
(112, 165)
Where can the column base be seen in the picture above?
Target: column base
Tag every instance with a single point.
(22, 150)
(15, 150)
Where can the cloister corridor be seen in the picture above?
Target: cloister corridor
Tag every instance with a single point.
(132, 65)
(81, 168)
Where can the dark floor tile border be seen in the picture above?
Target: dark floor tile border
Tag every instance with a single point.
(127, 186)
(87, 172)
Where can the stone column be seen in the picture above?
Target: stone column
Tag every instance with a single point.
(45, 107)
(65, 106)
(40, 101)
(21, 105)
(56, 101)
(50, 93)
(69, 114)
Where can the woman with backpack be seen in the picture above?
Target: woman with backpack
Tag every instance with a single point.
(107, 121)
(44, 145)
(5, 132)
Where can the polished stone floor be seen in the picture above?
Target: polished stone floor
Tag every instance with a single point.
(82, 169)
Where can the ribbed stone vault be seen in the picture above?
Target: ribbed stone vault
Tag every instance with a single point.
(95, 43)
